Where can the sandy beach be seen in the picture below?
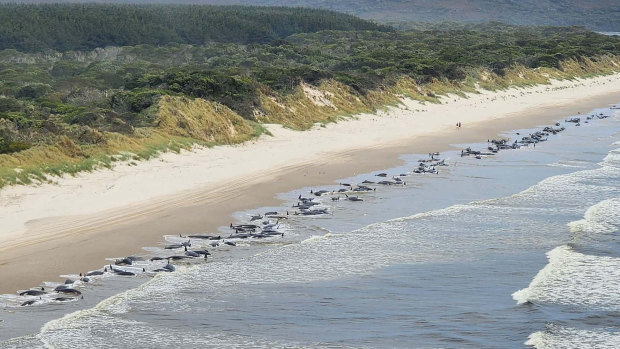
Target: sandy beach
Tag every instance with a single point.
(71, 226)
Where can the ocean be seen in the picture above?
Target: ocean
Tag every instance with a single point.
(511, 250)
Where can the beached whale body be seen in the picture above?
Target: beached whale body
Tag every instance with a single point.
(173, 247)
(27, 303)
(124, 273)
(188, 243)
(191, 253)
(176, 258)
(167, 268)
(124, 261)
(320, 192)
(353, 198)
(244, 227)
(70, 291)
(314, 212)
(202, 252)
(32, 293)
(240, 236)
(63, 299)
(204, 237)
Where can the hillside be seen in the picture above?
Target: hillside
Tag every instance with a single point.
(594, 14)
(87, 26)
(601, 15)
(68, 110)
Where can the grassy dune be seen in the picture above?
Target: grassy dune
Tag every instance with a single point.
(183, 122)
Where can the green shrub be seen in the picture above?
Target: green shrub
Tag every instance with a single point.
(8, 105)
(7, 146)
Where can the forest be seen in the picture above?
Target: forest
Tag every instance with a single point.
(86, 26)
(80, 88)
(601, 15)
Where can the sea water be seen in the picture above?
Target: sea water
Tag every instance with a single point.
(517, 249)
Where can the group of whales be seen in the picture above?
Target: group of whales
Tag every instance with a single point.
(313, 206)
(266, 227)
(260, 226)
(532, 139)
(134, 265)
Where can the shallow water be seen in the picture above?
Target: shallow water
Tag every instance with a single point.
(514, 248)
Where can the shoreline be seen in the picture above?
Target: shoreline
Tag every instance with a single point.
(119, 211)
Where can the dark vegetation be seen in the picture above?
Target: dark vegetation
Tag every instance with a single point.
(50, 89)
(603, 15)
(87, 26)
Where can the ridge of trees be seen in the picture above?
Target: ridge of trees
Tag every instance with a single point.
(64, 27)
(602, 15)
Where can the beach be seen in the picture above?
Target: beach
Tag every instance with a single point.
(72, 225)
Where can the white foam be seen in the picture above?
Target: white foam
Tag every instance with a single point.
(567, 164)
(612, 159)
(577, 280)
(315, 238)
(601, 218)
(451, 211)
(565, 337)
(142, 335)
(25, 342)
(570, 276)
